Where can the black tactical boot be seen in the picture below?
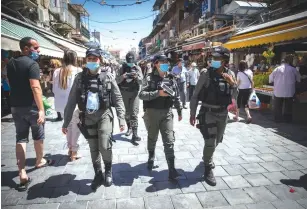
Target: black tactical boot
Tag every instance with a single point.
(135, 136)
(129, 131)
(172, 172)
(98, 179)
(151, 159)
(108, 173)
(209, 176)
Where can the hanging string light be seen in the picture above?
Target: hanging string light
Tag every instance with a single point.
(104, 3)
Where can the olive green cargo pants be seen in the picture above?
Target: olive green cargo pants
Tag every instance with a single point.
(100, 127)
(160, 120)
(212, 127)
(132, 104)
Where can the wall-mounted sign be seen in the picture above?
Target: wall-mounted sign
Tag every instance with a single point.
(205, 6)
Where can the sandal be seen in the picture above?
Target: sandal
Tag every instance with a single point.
(236, 119)
(48, 163)
(249, 120)
(74, 156)
(24, 186)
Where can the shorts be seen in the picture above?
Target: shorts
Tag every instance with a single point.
(24, 118)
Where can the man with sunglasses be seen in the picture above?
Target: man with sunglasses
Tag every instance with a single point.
(27, 106)
(158, 103)
(214, 88)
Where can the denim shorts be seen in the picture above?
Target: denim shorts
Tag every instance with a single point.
(24, 119)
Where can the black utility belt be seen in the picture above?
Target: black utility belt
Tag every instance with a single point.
(129, 89)
(221, 109)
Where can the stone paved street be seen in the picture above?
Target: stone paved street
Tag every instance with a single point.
(255, 167)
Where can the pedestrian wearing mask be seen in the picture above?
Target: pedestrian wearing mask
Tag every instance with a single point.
(129, 80)
(214, 89)
(95, 90)
(245, 87)
(158, 115)
(181, 74)
(193, 78)
(63, 79)
(27, 106)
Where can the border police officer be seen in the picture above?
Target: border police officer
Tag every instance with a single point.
(129, 79)
(214, 89)
(159, 96)
(94, 90)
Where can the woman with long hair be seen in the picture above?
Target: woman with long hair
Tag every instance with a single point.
(63, 79)
(245, 86)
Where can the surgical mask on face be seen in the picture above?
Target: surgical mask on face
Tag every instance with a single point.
(92, 103)
(34, 55)
(130, 64)
(164, 67)
(92, 66)
(216, 64)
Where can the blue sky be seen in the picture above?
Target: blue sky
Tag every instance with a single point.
(123, 31)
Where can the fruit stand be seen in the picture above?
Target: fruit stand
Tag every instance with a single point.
(266, 95)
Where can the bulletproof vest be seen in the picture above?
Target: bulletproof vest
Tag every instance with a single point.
(154, 84)
(129, 86)
(219, 92)
(95, 83)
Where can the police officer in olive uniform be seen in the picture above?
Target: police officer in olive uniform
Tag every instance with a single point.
(158, 102)
(95, 91)
(129, 78)
(214, 88)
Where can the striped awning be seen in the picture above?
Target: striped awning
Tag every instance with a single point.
(11, 34)
(281, 33)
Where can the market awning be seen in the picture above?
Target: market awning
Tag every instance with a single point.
(12, 33)
(285, 32)
(68, 45)
(244, 8)
(194, 46)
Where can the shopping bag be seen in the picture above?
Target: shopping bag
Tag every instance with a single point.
(254, 102)
(46, 104)
(232, 107)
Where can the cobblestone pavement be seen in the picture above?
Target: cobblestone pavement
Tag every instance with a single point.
(256, 165)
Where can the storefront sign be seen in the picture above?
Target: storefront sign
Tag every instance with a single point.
(193, 46)
(205, 6)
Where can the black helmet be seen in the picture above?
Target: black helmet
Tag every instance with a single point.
(130, 57)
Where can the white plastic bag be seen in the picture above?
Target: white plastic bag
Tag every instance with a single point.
(254, 102)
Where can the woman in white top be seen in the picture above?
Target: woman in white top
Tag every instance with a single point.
(245, 86)
(63, 79)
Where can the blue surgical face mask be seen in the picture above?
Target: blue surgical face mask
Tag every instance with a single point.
(92, 66)
(130, 64)
(164, 67)
(216, 64)
(34, 55)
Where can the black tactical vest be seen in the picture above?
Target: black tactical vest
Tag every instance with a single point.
(129, 86)
(219, 92)
(95, 83)
(160, 102)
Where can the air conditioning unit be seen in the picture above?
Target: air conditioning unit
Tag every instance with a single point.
(203, 30)
(43, 15)
(171, 33)
(164, 43)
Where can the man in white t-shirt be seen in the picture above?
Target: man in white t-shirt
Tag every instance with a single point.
(284, 77)
(193, 78)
